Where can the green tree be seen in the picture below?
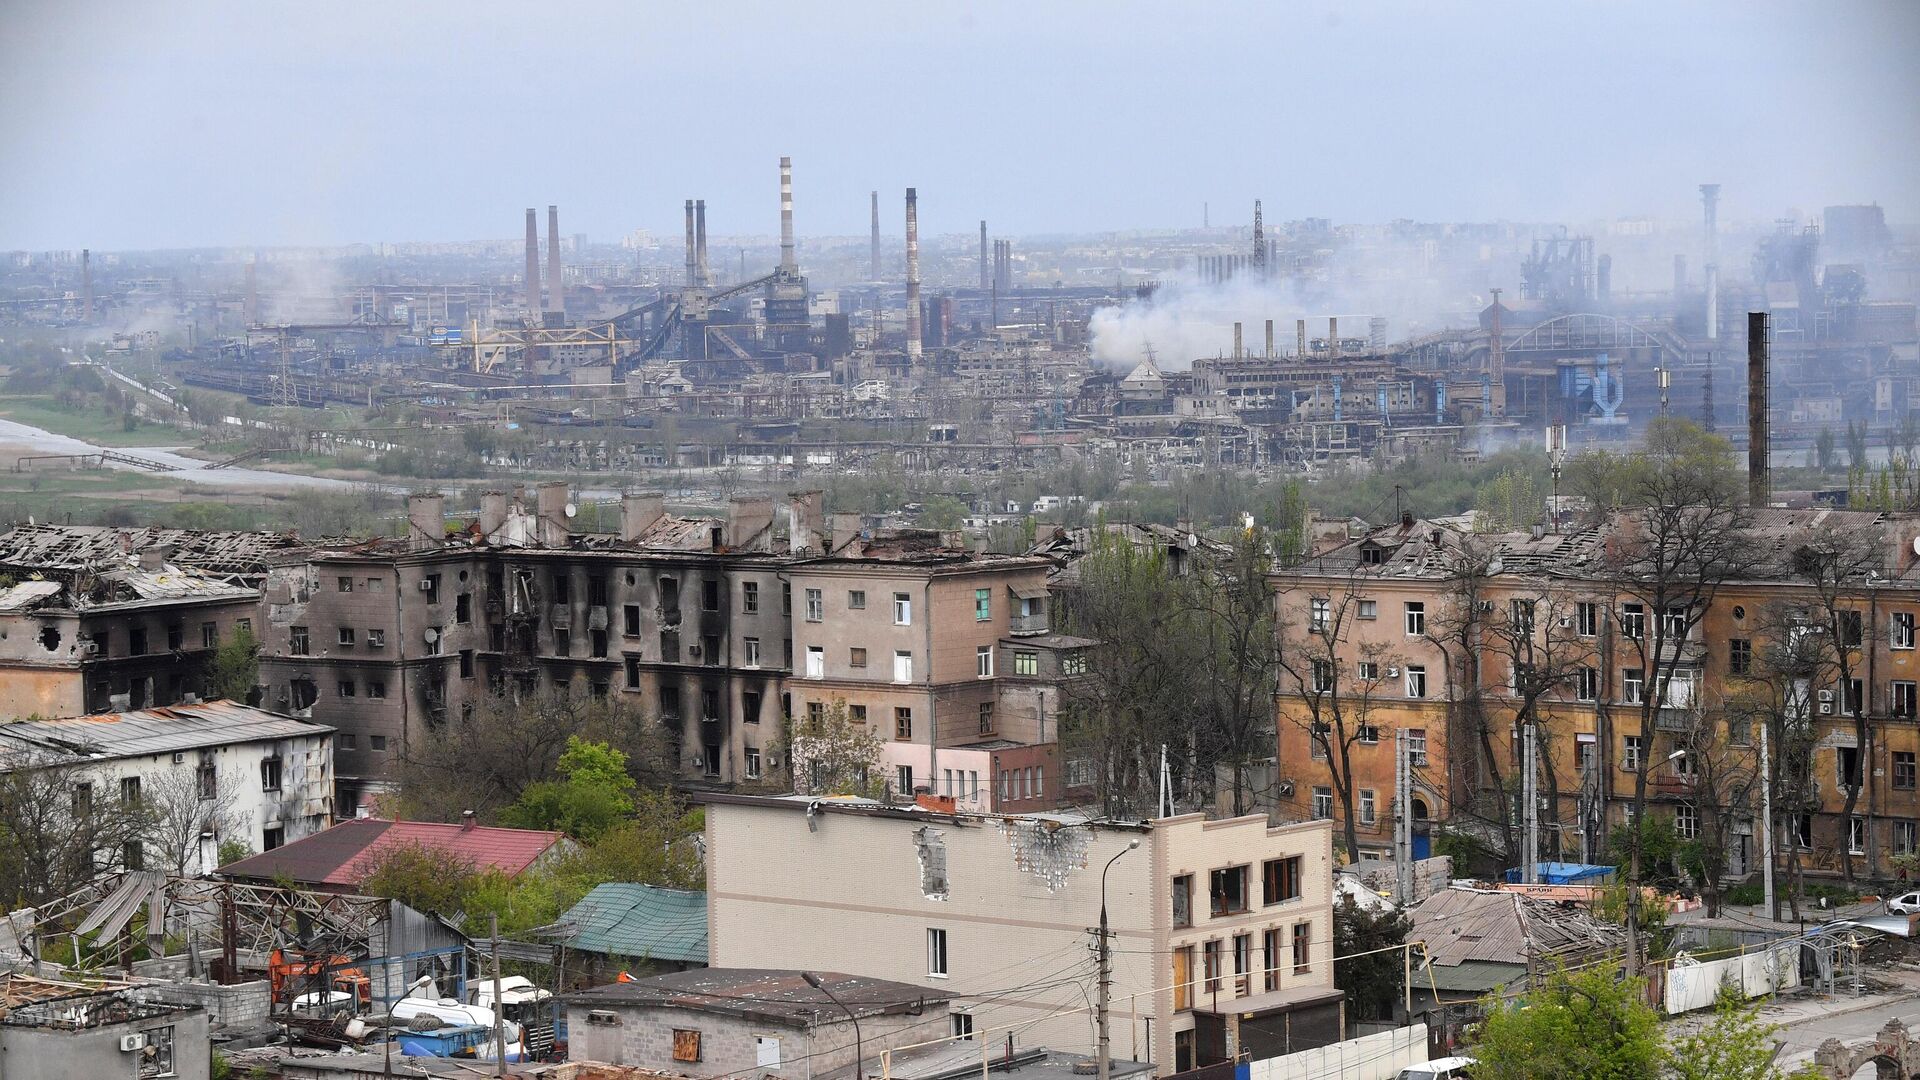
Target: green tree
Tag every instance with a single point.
(1734, 1045)
(1823, 450)
(594, 791)
(1510, 502)
(831, 753)
(423, 878)
(1375, 981)
(234, 671)
(1856, 445)
(1592, 1024)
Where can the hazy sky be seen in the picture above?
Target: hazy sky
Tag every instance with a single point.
(133, 124)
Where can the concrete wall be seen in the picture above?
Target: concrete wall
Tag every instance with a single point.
(48, 1053)
(237, 1006)
(1019, 895)
(729, 1044)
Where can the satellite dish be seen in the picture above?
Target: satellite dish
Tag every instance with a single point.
(1916, 545)
(432, 635)
(570, 510)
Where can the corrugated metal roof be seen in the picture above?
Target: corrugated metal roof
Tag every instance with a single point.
(158, 731)
(28, 594)
(629, 919)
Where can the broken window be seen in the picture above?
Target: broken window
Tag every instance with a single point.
(1228, 890)
(297, 642)
(463, 608)
(1280, 880)
(50, 637)
(1183, 900)
(270, 774)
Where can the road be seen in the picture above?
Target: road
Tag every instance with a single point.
(1802, 1037)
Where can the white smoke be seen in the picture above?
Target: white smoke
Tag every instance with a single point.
(1417, 287)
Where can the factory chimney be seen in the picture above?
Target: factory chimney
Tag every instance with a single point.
(700, 242)
(1236, 341)
(1759, 478)
(691, 271)
(1300, 332)
(913, 274)
(1333, 337)
(86, 284)
(1269, 352)
(1259, 242)
(984, 286)
(1710, 221)
(556, 281)
(876, 236)
(788, 268)
(533, 260)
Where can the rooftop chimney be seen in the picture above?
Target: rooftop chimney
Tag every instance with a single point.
(876, 236)
(426, 520)
(846, 534)
(787, 266)
(551, 504)
(86, 285)
(1759, 480)
(749, 523)
(692, 269)
(533, 260)
(700, 242)
(913, 275)
(556, 282)
(640, 511)
(806, 521)
(493, 511)
(467, 820)
(984, 284)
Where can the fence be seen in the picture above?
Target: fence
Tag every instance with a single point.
(1756, 971)
(1370, 1057)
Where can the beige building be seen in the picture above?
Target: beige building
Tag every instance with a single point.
(1222, 930)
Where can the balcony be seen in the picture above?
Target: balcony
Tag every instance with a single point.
(1027, 625)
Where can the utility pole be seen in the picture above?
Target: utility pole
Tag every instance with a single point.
(1530, 858)
(1402, 819)
(499, 1014)
(1766, 831)
(1105, 951)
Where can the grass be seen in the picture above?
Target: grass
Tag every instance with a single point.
(92, 425)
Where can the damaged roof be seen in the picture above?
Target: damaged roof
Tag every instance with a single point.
(770, 995)
(147, 732)
(1463, 924)
(345, 854)
(76, 547)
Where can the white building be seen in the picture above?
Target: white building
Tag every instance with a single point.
(243, 773)
(1222, 930)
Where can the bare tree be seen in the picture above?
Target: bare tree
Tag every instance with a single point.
(1236, 706)
(1722, 773)
(1778, 690)
(184, 805)
(1666, 560)
(1328, 698)
(60, 828)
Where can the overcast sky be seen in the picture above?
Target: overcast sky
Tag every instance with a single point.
(130, 124)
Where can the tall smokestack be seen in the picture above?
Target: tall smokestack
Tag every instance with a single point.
(788, 267)
(533, 260)
(86, 284)
(693, 270)
(913, 274)
(1300, 332)
(1710, 251)
(876, 236)
(1713, 302)
(1269, 352)
(1333, 337)
(1236, 341)
(1259, 242)
(250, 308)
(700, 242)
(1759, 478)
(983, 257)
(556, 282)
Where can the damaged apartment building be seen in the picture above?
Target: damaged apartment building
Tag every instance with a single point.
(716, 626)
(99, 619)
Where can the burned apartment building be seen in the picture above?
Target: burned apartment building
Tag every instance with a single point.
(698, 622)
(99, 619)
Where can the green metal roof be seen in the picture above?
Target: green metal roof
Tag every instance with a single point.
(642, 921)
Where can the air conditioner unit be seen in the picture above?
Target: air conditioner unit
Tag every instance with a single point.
(1566, 621)
(1486, 605)
(131, 1043)
(1826, 702)
(89, 648)
(1285, 789)
(178, 758)
(425, 585)
(1393, 673)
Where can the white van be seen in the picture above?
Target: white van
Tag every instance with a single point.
(1446, 1068)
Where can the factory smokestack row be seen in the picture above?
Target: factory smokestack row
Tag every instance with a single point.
(533, 259)
(787, 265)
(556, 282)
(913, 274)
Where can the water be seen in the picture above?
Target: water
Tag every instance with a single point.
(26, 439)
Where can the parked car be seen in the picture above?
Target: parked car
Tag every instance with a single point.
(1446, 1068)
(1905, 904)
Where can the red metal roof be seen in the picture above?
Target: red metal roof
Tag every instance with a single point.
(342, 855)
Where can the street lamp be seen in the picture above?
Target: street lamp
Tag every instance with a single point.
(859, 1054)
(1106, 964)
(424, 980)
